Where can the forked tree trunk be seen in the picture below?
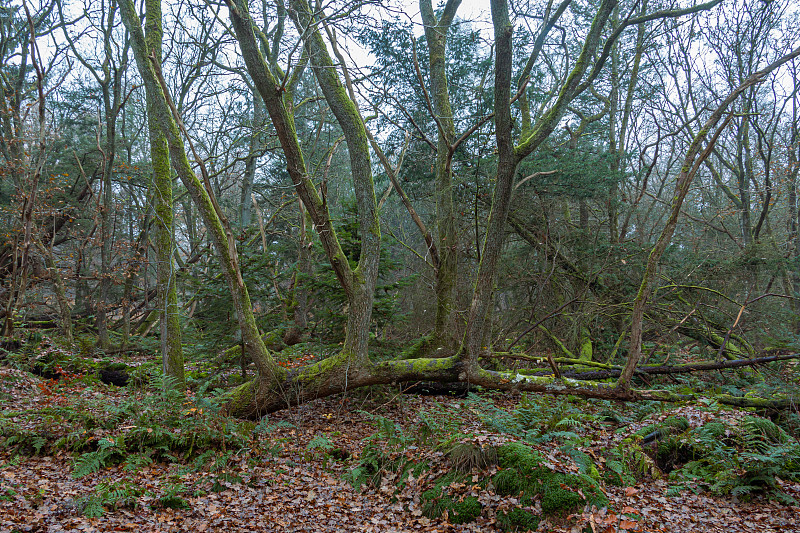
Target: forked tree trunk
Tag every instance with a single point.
(446, 270)
(359, 283)
(509, 157)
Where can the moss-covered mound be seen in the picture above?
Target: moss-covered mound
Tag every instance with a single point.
(522, 474)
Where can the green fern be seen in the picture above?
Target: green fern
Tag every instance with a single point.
(388, 431)
(582, 459)
(617, 474)
(26, 441)
(755, 429)
(114, 494)
(740, 459)
(673, 491)
(136, 461)
(570, 422)
(264, 427)
(499, 420)
(109, 451)
(382, 453)
(93, 508)
(171, 499)
(563, 436)
(320, 442)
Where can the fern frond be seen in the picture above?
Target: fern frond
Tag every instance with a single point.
(93, 508)
(88, 463)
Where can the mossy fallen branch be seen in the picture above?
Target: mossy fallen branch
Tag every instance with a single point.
(613, 372)
(342, 373)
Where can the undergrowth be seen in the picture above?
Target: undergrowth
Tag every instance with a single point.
(645, 440)
(132, 431)
(737, 459)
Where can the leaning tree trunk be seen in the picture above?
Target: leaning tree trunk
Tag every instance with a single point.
(103, 340)
(164, 230)
(693, 160)
(219, 234)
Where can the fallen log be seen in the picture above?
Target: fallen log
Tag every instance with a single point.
(682, 368)
(612, 371)
(266, 394)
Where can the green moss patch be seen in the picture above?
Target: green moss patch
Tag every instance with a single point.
(523, 473)
(518, 520)
(460, 509)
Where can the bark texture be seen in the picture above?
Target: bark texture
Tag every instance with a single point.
(219, 235)
(164, 226)
(446, 266)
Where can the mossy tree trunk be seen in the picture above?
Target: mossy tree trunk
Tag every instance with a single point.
(585, 70)
(358, 283)
(446, 268)
(361, 291)
(509, 155)
(217, 228)
(295, 303)
(164, 226)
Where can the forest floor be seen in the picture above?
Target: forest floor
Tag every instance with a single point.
(292, 477)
